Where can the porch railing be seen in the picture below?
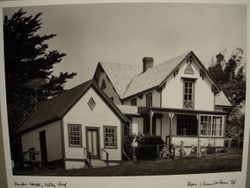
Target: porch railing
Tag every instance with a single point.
(106, 154)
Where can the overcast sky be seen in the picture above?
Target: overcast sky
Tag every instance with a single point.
(125, 33)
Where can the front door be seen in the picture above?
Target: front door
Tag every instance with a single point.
(43, 147)
(92, 141)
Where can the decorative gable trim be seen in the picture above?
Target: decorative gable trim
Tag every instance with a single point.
(189, 70)
(202, 74)
(176, 72)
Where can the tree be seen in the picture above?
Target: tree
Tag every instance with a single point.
(231, 79)
(28, 69)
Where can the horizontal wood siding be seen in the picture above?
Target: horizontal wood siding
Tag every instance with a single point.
(100, 116)
(172, 94)
(138, 123)
(53, 141)
(141, 101)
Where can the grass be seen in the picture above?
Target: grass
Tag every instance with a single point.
(213, 163)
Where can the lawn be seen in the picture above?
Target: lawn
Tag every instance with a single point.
(213, 163)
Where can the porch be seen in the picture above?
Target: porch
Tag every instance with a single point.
(186, 129)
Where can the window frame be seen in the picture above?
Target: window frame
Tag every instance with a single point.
(133, 100)
(151, 98)
(192, 82)
(80, 135)
(211, 127)
(115, 137)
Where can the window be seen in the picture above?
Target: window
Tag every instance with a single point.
(75, 132)
(112, 99)
(149, 100)
(103, 86)
(186, 125)
(133, 102)
(211, 125)
(188, 94)
(110, 137)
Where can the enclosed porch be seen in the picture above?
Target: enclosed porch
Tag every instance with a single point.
(185, 129)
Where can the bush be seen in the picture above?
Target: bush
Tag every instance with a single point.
(147, 146)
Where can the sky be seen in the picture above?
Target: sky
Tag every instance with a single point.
(126, 32)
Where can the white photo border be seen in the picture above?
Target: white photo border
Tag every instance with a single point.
(138, 181)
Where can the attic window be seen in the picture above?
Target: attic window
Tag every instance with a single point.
(103, 86)
(91, 103)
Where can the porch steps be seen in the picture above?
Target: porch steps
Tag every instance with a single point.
(97, 163)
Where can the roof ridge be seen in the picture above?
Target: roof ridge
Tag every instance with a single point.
(101, 62)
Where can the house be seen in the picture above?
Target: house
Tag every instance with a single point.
(66, 128)
(176, 100)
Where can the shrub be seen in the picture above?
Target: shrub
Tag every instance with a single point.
(147, 146)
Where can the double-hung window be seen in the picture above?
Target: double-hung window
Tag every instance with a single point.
(188, 97)
(133, 102)
(149, 102)
(110, 137)
(75, 132)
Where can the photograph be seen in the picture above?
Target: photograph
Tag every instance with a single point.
(125, 89)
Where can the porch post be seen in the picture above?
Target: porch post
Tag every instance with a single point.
(171, 115)
(199, 128)
(151, 113)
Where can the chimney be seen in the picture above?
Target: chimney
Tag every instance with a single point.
(148, 62)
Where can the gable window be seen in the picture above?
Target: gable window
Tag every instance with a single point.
(75, 132)
(103, 85)
(110, 137)
(211, 125)
(112, 99)
(188, 96)
(187, 125)
(133, 102)
(149, 100)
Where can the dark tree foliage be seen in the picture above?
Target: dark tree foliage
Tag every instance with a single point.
(230, 77)
(28, 69)
(231, 80)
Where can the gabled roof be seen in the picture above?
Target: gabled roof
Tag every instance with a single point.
(55, 108)
(129, 80)
(154, 76)
(222, 100)
(120, 75)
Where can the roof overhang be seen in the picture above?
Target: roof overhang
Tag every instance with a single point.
(146, 110)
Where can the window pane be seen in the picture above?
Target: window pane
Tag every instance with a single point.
(74, 135)
(110, 137)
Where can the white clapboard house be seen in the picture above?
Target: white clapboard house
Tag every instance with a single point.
(176, 100)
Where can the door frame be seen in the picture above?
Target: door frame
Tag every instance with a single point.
(45, 154)
(97, 129)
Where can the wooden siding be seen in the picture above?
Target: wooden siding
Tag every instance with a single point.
(100, 116)
(172, 94)
(137, 125)
(141, 101)
(53, 141)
